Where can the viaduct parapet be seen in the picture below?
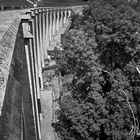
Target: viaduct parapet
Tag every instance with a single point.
(25, 38)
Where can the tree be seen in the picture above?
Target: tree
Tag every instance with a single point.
(100, 54)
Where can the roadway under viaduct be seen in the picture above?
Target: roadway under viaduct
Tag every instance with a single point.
(25, 38)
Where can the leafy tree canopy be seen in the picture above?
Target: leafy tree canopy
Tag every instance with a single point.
(100, 56)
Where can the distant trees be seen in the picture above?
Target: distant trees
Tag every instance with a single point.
(136, 1)
(100, 58)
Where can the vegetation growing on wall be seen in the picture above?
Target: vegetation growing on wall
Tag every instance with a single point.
(100, 64)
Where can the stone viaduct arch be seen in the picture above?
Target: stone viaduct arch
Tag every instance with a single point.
(23, 53)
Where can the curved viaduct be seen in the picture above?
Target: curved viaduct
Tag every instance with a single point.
(25, 38)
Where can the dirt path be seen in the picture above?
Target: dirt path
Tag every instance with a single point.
(46, 106)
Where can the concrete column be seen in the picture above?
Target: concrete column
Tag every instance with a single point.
(44, 35)
(69, 13)
(28, 88)
(50, 25)
(36, 105)
(58, 20)
(35, 71)
(54, 22)
(34, 25)
(29, 92)
(41, 39)
(61, 19)
(38, 51)
(65, 16)
(47, 33)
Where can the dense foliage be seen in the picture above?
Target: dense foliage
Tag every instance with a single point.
(100, 59)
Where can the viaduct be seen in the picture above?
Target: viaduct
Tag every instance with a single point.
(25, 38)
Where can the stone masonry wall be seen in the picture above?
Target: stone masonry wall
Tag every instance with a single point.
(11, 63)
